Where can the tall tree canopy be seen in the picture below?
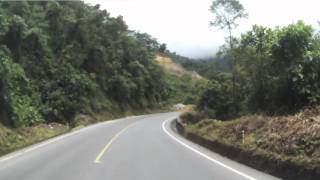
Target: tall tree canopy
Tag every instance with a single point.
(227, 13)
(278, 71)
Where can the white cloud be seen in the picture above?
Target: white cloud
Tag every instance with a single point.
(184, 24)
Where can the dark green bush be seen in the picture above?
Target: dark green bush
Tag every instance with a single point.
(20, 101)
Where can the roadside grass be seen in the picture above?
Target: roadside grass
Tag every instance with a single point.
(13, 139)
(292, 138)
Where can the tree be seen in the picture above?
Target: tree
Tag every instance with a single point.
(256, 47)
(295, 66)
(226, 15)
(147, 41)
(162, 48)
(216, 101)
(59, 59)
(18, 100)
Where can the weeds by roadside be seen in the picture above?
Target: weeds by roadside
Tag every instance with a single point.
(287, 139)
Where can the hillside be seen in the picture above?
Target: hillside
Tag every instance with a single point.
(184, 86)
(207, 68)
(60, 59)
(174, 68)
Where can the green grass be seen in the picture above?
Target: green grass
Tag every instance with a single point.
(13, 139)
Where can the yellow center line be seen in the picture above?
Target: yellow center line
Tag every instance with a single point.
(103, 151)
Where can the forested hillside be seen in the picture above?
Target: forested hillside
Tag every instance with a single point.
(59, 59)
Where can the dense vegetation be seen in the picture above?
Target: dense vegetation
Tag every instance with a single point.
(59, 59)
(184, 89)
(271, 71)
(276, 71)
(269, 93)
(183, 86)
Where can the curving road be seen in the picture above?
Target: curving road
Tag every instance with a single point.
(134, 148)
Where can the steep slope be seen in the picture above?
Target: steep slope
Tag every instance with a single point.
(174, 68)
(61, 59)
(183, 86)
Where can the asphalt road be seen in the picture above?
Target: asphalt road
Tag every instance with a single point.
(135, 148)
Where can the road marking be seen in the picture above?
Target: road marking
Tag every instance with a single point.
(49, 141)
(202, 154)
(103, 151)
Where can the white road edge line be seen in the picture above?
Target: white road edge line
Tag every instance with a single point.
(200, 153)
(53, 140)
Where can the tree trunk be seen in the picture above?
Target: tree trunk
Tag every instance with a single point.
(233, 60)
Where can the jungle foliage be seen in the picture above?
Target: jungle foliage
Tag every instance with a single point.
(277, 71)
(59, 59)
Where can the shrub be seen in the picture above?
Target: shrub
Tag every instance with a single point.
(20, 101)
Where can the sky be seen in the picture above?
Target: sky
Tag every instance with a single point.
(184, 24)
